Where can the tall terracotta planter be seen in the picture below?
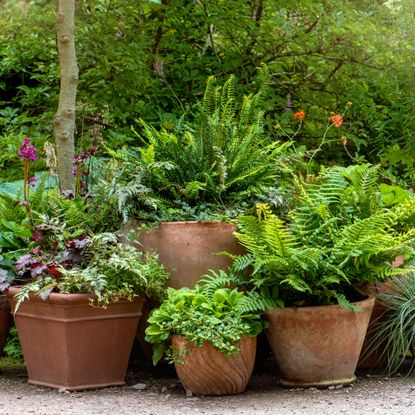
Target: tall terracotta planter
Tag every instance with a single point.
(5, 321)
(69, 344)
(207, 371)
(318, 346)
(189, 248)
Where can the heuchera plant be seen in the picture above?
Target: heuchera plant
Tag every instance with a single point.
(51, 253)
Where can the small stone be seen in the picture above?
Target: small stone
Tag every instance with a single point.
(189, 393)
(330, 388)
(163, 389)
(62, 390)
(139, 386)
(167, 396)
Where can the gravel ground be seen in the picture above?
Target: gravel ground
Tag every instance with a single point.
(150, 393)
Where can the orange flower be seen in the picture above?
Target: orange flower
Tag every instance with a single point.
(337, 120)
(299, 115)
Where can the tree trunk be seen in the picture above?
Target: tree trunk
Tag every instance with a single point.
(64, 131)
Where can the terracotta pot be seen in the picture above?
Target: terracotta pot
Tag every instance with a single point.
(69, 344)
(6, 320)
(377, 358)
(207, 371)
(189, 248)
(318, 346)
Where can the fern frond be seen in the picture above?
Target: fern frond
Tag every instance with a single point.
(253, 302)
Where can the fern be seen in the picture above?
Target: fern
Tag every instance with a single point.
(340, 236)
(221, 160)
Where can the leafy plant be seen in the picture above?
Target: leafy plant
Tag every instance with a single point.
(99, 265)
(220, 316)
(210, 166)
(12, 347)
(340, 236)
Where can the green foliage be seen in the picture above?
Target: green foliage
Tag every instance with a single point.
(107, 268)
(12, 347)
(220, 161)
(340, 236)
(148, 60)
(392, 334)
(220, 316)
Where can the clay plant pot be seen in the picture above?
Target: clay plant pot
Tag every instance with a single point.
(69, 344)
(189, 249)
(318, 346)
(206, 371)
(6, 320)
(377, 357)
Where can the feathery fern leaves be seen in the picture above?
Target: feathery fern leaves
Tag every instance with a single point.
(221, 161)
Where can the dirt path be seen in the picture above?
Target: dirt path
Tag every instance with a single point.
(162, 394)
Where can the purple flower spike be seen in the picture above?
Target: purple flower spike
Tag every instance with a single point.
(27, 151)
(32, 181)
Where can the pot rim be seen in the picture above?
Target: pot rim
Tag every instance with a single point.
(185, 222)
(361, 303)
(63, 298)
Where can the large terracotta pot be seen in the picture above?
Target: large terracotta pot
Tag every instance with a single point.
(5, 321)
(190, 249)
(69, 344)
(318, 346)
(207, 371)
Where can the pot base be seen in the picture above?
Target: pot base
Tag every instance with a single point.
(322, 384)
(75, 388)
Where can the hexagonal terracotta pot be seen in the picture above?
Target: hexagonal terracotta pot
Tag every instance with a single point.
(318, 346)
(207, 371)
(190, 249)
(5, 321)
(69, 344)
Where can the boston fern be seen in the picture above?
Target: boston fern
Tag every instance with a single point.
(345, 231)
(218, 163)
(220, 316)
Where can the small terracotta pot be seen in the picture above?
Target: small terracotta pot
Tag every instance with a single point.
(69, 344)
(190, 249)
(318, 346)
(6, 320)
(207, 371)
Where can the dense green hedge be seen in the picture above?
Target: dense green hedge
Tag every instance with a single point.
(150, 60)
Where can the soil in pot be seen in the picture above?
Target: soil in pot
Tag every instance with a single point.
(318, 346)
(206, 371)
(69, 344)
